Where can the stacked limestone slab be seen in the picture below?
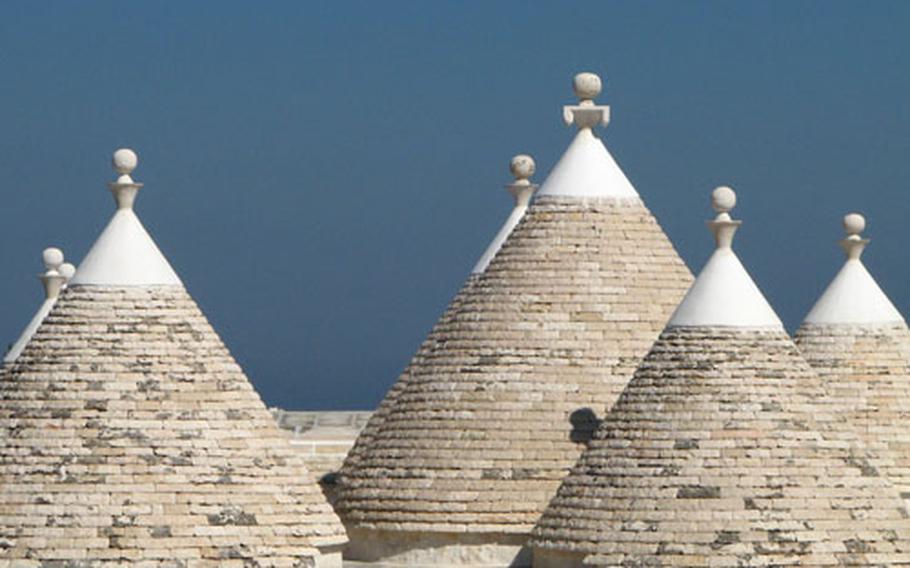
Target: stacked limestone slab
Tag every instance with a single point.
(522, 167)
(130, 436)
(540, 345)
(723, 450)
(860, 345)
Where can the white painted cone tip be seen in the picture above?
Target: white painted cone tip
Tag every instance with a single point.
(853, 297)
(586, 169)
(125, 254)
(522, 167)
(723, 294)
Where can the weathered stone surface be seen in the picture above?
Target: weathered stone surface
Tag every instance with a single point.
(130, 436)
(501, 399)
(766, 473)
(865, 371)
(433, 339)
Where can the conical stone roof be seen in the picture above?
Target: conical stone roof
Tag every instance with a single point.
(539, 345)
(860, 345)
(723, 451)
(53, 279)
(522, 167)
(130, 436)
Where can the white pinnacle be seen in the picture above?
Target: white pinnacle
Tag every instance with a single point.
(724, 295)
(522, 167)
(587, 169)
(125, 254)
(53, 280)
(52, 258)
(853, 297)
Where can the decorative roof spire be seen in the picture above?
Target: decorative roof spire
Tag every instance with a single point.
(54, 278)
(853, 297)
(586, 114)
(124, 189)
(587, 169)
(522, 167)
(125, 254)
(853, 244)
(723, 200)
(724, 295)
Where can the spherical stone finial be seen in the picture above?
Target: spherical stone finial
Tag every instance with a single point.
(723, 199)
(67, 270)
(854, 224)
(522, 166)
(586, 86)
(125, 161)
(52, 257)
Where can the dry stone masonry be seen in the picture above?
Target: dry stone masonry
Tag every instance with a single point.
(724, 450)
(537, 348)
(522, 167)
(860, 345)
(129, 436)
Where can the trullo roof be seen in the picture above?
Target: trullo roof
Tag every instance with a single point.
(860, 345)
(494, 415)
(130, 436)
(57, 273)
(522, 167)
(723, 451)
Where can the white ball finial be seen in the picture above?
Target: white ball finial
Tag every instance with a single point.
(52, 257)
(586, 86)
(723, 199)
(125, 161)
(854, 224)
(67, 270)
(522, 166)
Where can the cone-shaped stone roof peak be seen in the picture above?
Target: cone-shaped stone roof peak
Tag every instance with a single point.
(587, 169)
(853, 297)
(522, 167)
(723, 293)
(502, 397)
(125, 254)
(55, 276)
(130, 435)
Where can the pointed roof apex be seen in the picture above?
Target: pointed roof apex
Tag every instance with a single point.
(587, 169)
(56, 272)
(125, 254)
(53, 279)
(724, 295)
(853, 297)
(522, 167)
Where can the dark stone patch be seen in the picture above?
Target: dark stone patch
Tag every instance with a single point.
(232, 516)
(685, 444)
(698, 492)
(99, 405)
(670, 471)
(863, 465)
(725, 538)
(161, 532)
(124, 520)
(857, 546)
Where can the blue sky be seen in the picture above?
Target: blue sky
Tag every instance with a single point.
(324, 175)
